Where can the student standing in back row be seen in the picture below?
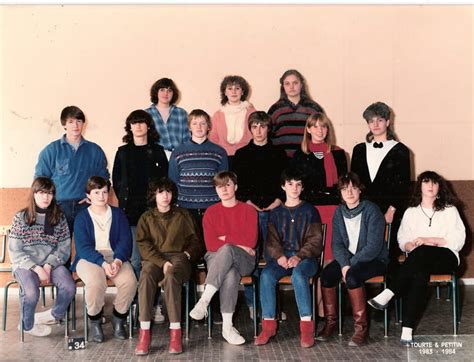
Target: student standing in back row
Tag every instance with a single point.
(69, 162)
(290, 112)
(170, 120)
(136, 164)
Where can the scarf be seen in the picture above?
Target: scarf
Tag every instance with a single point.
(350, 213)
(48, 228)
(235, 120)
(320, 150)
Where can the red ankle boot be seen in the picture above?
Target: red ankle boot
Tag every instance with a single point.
(175, 341)
(307, 334)
(269, 327)
(143, 345)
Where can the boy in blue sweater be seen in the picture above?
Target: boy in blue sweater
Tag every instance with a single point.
(69, 162)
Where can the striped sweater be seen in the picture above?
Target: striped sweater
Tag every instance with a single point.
(289, 121)
(192, 167)
(29, 245)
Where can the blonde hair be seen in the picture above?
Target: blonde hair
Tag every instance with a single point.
(324, 122)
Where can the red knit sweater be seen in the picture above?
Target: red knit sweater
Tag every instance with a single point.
(237, 223)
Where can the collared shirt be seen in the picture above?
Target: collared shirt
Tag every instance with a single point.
(175, 131)
(70, 168)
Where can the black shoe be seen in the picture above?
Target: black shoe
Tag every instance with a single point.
(376, 305)
(118, 327)
(96, 330)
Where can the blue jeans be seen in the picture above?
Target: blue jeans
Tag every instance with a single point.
(71, 209)
(29, 293)
(135, 259)
(262, 238)
(299, 278)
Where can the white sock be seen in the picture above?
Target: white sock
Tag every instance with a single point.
(307, 318)
(407, 334)
(227, 320)
(384, 297)
(145, 325)
(269, 319)
(208, 293)
(175, 325)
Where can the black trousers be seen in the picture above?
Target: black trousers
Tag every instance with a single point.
(413, 278)
(356, 275)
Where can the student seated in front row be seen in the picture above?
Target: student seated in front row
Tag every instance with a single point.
(293, 244)
(39, 246)
(360, 253)
(169, 242)
(103, 250)
(230, 233)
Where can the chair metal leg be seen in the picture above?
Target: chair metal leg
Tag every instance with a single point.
(254, 300)
(448, 292)
(385, 316)
(66, 322)
(52, 292)
(209, 321)
(455, 312)
(340, 307)
(437, 291)
(73, 313)
(186, 298)
(86, 332)
(43, 296)
(5, 304)
(130, 325)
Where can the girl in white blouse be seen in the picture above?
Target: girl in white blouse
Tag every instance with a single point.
(432, 233)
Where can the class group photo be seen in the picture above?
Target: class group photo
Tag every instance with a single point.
(237, 182)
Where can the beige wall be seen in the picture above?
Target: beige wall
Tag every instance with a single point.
(418, 59)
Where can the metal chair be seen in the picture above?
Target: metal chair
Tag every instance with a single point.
(3, 259)
(378, 279)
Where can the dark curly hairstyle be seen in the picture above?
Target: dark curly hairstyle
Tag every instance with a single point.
(445, 196)
(237, 80)
(159, 185)
(163, 83)
(304, 91)
(291, 173)
(379, 109)
(140, 116)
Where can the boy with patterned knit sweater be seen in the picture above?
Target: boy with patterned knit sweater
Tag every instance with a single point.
(193, 165)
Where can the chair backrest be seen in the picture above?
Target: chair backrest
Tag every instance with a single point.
(5, 264)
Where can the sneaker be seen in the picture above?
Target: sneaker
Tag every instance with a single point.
(199, 311)
(158, 316)
(39, 330)
(233, 336)
(45, 318)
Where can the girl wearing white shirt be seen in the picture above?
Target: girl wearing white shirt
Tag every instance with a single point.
(432, 233)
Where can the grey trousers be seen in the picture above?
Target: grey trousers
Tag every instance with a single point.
(225, 267)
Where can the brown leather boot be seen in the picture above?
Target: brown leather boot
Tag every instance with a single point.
(175, 341)
(269, 327)
(359, 313)
(307, 333)
(330, 314)
(143, 345)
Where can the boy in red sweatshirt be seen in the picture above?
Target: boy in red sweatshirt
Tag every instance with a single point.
(230, 234)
